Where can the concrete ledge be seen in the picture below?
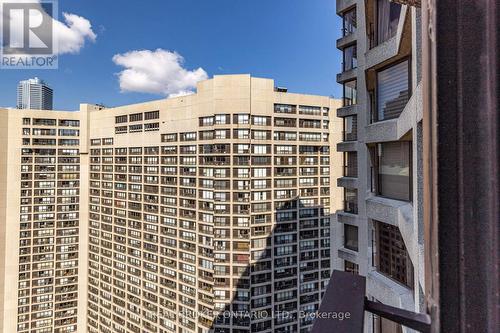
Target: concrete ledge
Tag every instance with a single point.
(346, 40)
(389, 291)
(382, 131)
(347, 110)
(347, 254)
(347, 218)
(388, 210)
(344, 4)
(347, 75)
(349, 182)
(347, 146)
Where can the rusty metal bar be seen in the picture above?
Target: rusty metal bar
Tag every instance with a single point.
(429, 126)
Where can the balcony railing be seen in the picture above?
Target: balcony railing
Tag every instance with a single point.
(345, 295)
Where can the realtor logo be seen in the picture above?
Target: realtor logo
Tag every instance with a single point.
(28, 35)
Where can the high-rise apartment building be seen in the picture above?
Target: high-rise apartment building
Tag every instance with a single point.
(42, 265)
(379, 231)
(159, 216)
(34, 94)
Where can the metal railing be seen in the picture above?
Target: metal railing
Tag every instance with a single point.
(346, 295)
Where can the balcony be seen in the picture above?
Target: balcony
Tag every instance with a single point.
(347, 182)
(389, 292)
(347, 110)
(348, 32)
(346, 295)
(342, 5)
(347, 75)
(388, 46)
(347, 146)
(395, 129)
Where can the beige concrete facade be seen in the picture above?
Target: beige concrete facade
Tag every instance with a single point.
(187, 207)
(40, 223)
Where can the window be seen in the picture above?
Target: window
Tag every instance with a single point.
(350, 128)
(135, 117)
(391, 257)
(135, 128)
(350, 93)
(309, 123)
(242, 134)
(351, 200)
(388, 13)
(121, 129)
(310, 136)
(206, 135)
(172, 137)
(151, 115)
(260, 172)
(285, 122)
(350, 58)
(285, 136)
(310, 110)
(152, 127)
(221, 119)
(222, 134)
(393, 168)
(189, 136)
(260, 149)
(107, 141)
(120, 119)
(349, 22)
(284, 150)
(206, 121)
(351, 267)
(242, 173)
(69, 132)
(261, 121)
(242, 119)
(284, 108)
(44, 122)
(392, 91)
(26, 121)
(135, 150)
(70, 123)
(351, 237)
(242, 148)
(350, 164)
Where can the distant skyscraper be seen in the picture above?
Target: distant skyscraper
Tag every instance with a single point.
(34, 94)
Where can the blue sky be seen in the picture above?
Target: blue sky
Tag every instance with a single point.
(292, 41)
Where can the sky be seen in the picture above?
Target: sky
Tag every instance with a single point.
(122, 52)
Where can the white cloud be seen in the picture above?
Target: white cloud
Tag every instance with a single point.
(72, 35)
(69, 36)
(158, 72)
